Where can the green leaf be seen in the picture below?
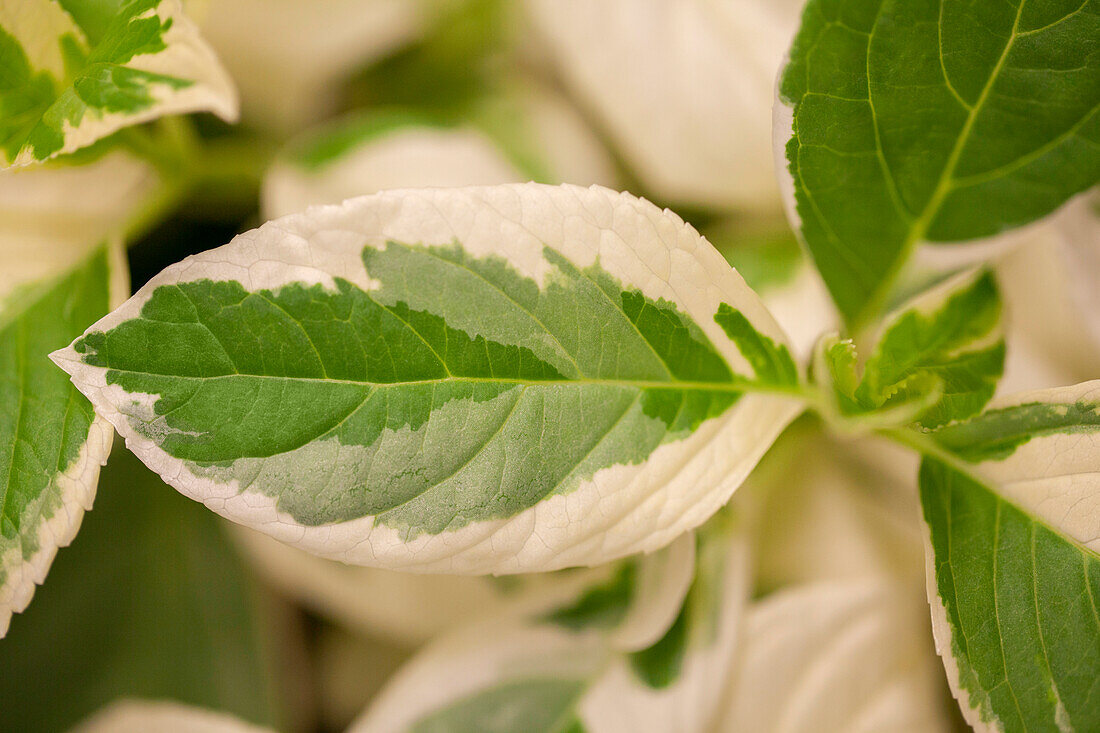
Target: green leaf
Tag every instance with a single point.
(151, 601)
(914, 120)
(1014, 561)
(51, 442)
(495, 379)
(601, 606)
(76, 72)
(770, 362)
(938, 361)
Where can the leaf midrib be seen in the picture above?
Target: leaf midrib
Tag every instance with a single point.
(738, 386)
(918, 227)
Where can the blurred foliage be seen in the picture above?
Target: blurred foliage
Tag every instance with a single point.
(152, 601)
(456, 61)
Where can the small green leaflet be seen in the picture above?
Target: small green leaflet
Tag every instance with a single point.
(51, 442)
(76, 72)
(938, 361)
(501, 379)
(914, 120)
(1014, 561)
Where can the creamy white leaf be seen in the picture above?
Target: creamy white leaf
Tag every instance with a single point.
(835, 508)
(413, 608)
(684, 87)
(142, 716)
(416, 154)
(289, 57)
(840, 655)
(1049, 283)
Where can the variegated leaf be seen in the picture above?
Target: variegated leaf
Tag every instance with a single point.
(1013, 560)
(554, 677)
(51, 442)
(938, 360)
(413, 608)
(76, 72)
(502, 379)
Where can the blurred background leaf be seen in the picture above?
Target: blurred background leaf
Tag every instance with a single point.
(152, 601)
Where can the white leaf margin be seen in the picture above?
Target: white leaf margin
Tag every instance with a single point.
(623, 509)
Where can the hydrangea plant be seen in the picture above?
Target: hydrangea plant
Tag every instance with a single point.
(451, 387)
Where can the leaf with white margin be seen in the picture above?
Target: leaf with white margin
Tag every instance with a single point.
(900, 122)
(378, 150)
(838, 655)
(485, 380)
(538, 678)
(938, 360)
(52, 444)
(144, 716)
(413, 608)
(526, 134)
(678, 682)
(693, 114)
(78, 72)
(1013, 560)
(499, 678)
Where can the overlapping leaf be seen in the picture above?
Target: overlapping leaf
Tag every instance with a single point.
(576, 671)
(837, 655)
(51, 442)
(475, 380)
(1013, 511)
(919, 120)
(75, 72)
